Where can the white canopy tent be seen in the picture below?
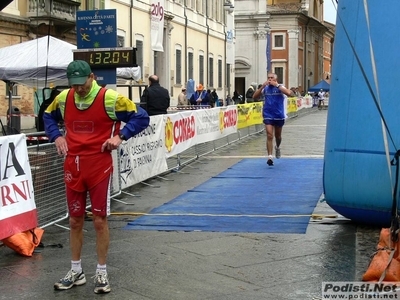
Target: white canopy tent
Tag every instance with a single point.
(40, 64)
(43, 62)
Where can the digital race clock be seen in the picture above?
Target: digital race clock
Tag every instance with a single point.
(101, 58)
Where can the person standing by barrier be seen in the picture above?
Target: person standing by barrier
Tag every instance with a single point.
(92, 116)
(274, 112)
(155, 98)
(215, 98)
(182, 101)
(249, 94)
(321, 99)
(199, 95)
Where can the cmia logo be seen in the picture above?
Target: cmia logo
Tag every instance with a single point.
(12, 190)
(157, 10)
(11, 166)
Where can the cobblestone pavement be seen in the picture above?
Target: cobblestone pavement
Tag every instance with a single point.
(156, 265)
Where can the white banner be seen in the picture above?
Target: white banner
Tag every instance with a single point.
(157, 25)
(17, 201)
(186, 129)
(230, 35)
(180, 132)
(215, 123)
(143, 156)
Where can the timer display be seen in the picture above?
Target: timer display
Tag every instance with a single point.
(107, 57)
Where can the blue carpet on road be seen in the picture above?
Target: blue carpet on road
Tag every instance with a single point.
(248, 197)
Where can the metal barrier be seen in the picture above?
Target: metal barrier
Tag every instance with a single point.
(47, 169)
(48, 174)
(48, 183)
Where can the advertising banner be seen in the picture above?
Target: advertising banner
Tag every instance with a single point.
(143, 156)
(213, 124)
(186, 129)
(230, 34)
(292, 104)
(157, 25)
(180, 132)
(17, 201)
(98, 29)
(249, 114)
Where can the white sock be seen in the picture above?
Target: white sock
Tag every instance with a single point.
(76, 266)
(101, 268)
(270, 157)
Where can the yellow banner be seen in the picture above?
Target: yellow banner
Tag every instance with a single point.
(249, 114)
(291, 105)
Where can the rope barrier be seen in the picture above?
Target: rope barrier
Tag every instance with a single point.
(37, 138)
(190, 107)
(19, 115)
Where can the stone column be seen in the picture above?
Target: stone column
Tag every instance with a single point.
(293, 58)
(261, 55)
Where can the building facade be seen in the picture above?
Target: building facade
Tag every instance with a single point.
(197, 40)
(224, 45)
(286, 37)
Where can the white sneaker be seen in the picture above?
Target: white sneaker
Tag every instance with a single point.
(101, 283)
(277, 152)
(270, 162)
(72, 278)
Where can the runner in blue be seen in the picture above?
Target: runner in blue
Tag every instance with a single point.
(274, 112)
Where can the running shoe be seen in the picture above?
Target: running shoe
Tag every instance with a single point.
(277, 152)
(101, 283)
(270, 162)
(72, 278)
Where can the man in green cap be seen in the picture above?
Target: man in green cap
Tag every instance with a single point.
(92, 116)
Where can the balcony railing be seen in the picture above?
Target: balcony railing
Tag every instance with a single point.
(53, 11)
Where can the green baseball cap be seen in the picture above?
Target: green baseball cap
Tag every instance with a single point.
(78, 72)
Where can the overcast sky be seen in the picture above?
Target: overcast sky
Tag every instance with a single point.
(330, 11)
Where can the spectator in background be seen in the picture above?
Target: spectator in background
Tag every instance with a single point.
(249, 94)
(155, 99)
(260, 98)
(215, 97)
(321, 98)
(198, 96)
(315, 99)
(228, 100)
(182, 101)
(237, 98)
(208, 99)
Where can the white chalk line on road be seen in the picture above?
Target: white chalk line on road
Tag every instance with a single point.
(314, 216)
(262, 156)
(311, 125)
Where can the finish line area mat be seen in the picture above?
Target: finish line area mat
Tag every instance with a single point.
(250, 196)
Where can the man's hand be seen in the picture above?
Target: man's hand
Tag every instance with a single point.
(61, 145)
(112, 143)
(273, 81)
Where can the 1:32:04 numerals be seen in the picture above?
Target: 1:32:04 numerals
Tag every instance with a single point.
(109, 57)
